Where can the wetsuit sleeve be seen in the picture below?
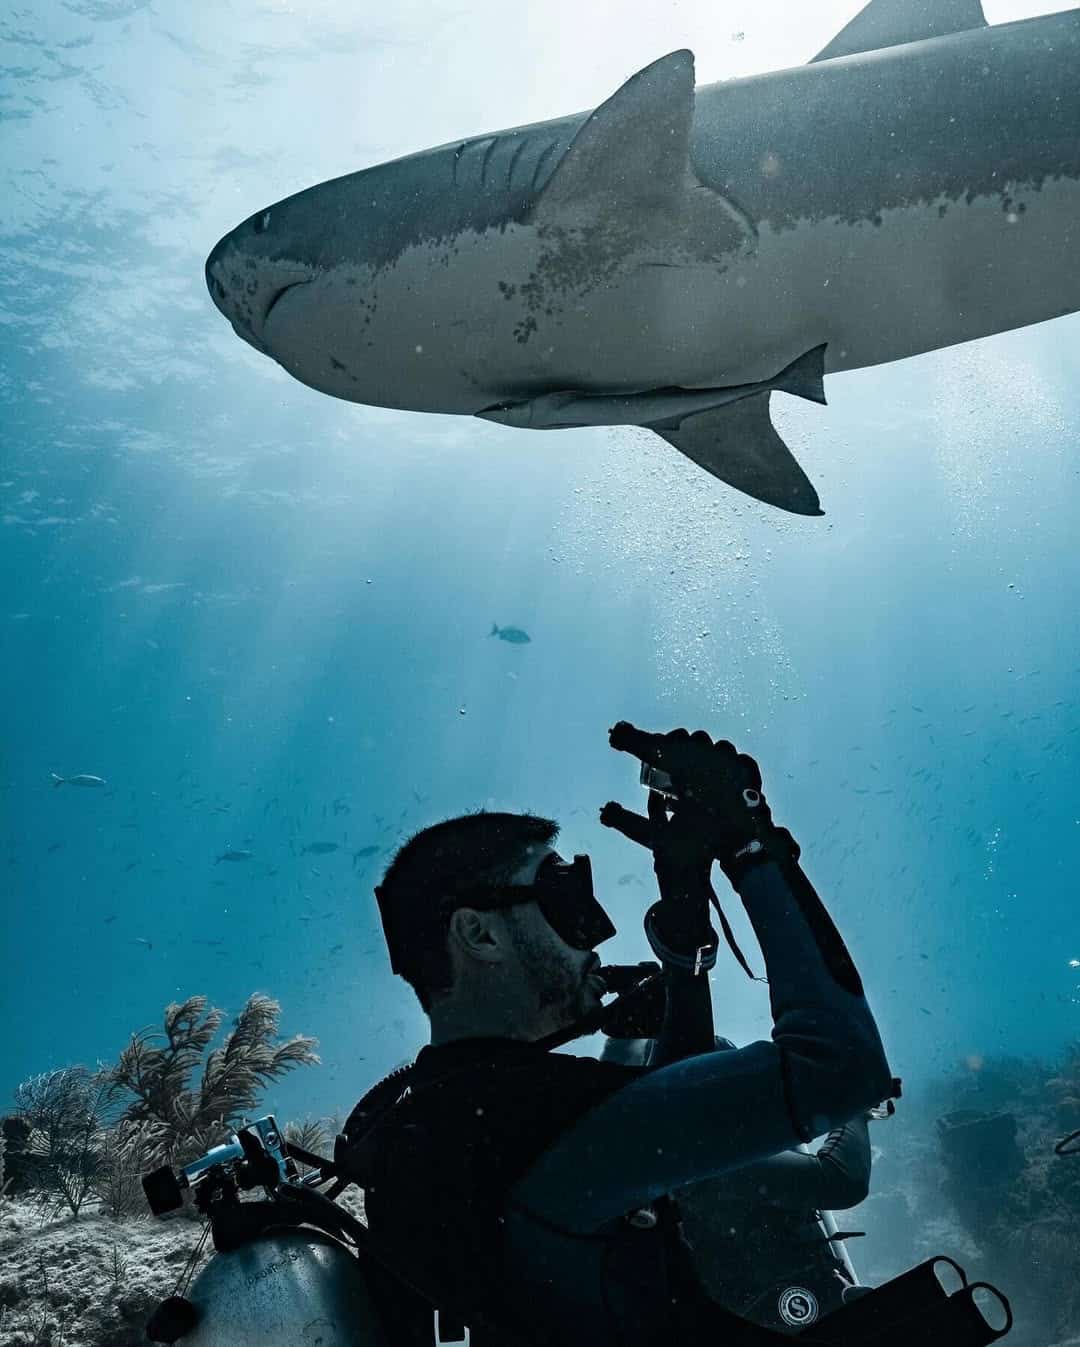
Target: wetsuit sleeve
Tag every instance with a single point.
(836, 1178)
(707, 1114)
(688, 1018)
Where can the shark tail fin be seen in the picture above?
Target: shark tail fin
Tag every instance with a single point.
(804, 378)
(57, 780)
(738, 444)
(494, 630)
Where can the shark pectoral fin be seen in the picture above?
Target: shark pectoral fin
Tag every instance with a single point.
(892, 23)
(634, 148)
(739, 444)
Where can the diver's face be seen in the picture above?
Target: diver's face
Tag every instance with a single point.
(563, 981)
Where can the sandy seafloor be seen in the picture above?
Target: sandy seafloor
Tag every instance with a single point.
(104, 1277)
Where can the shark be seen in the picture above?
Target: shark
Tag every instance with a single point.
(675, 256)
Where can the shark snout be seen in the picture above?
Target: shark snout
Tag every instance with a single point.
(245, 285)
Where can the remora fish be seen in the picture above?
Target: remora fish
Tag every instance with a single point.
(235, 856)
(319, 848)
(512, 634)
(83, 779)
(916, 185)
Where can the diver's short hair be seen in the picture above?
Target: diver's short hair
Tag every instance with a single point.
(447, 857)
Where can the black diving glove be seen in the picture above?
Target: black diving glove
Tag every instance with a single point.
(678, 926)
(719, 814)
(718, 791)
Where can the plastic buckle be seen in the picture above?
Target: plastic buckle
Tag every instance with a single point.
(452, 1326)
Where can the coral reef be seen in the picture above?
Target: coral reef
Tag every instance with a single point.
(79, 1142)
(974, 1174)
(1065, 1089)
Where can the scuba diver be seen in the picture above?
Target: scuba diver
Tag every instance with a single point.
(515, 1195)
(527, 1190)
(762, 1237)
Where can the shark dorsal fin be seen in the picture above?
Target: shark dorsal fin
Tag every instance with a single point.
(633, 148)
(891, 23)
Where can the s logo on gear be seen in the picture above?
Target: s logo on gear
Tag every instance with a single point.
(798, 1306)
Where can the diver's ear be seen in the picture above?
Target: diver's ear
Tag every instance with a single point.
(477, 936)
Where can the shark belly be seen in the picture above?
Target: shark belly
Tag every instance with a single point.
(457, 326)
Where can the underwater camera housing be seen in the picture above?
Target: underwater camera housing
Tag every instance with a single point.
(253, 1157)
(657, 780)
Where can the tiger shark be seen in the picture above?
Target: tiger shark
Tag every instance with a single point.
(672, 258)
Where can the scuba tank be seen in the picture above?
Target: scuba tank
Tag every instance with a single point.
(266, 1290)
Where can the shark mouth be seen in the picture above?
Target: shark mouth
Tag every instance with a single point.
(276, 297)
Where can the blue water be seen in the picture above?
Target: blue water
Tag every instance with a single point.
(241, 602)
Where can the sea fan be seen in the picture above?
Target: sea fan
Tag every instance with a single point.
(312, 1134)
(67, 1114)
(187, 1119)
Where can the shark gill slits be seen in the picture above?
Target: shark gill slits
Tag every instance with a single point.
(471, 159)
(486, 160)
(540, 163)
(513, 161)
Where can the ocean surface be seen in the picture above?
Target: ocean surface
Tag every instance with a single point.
(263, 615)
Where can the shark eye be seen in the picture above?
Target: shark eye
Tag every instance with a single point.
(262, 223)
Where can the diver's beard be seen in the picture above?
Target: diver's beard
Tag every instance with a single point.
(561, 989)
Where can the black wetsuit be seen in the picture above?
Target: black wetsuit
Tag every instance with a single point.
(535, 1182)
(757, 1238)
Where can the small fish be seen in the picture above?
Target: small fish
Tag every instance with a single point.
(54, 847)
(512, 634)
(83, 779)
(319, 848)
(140, 941)
(234, 856)
(358, 856)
